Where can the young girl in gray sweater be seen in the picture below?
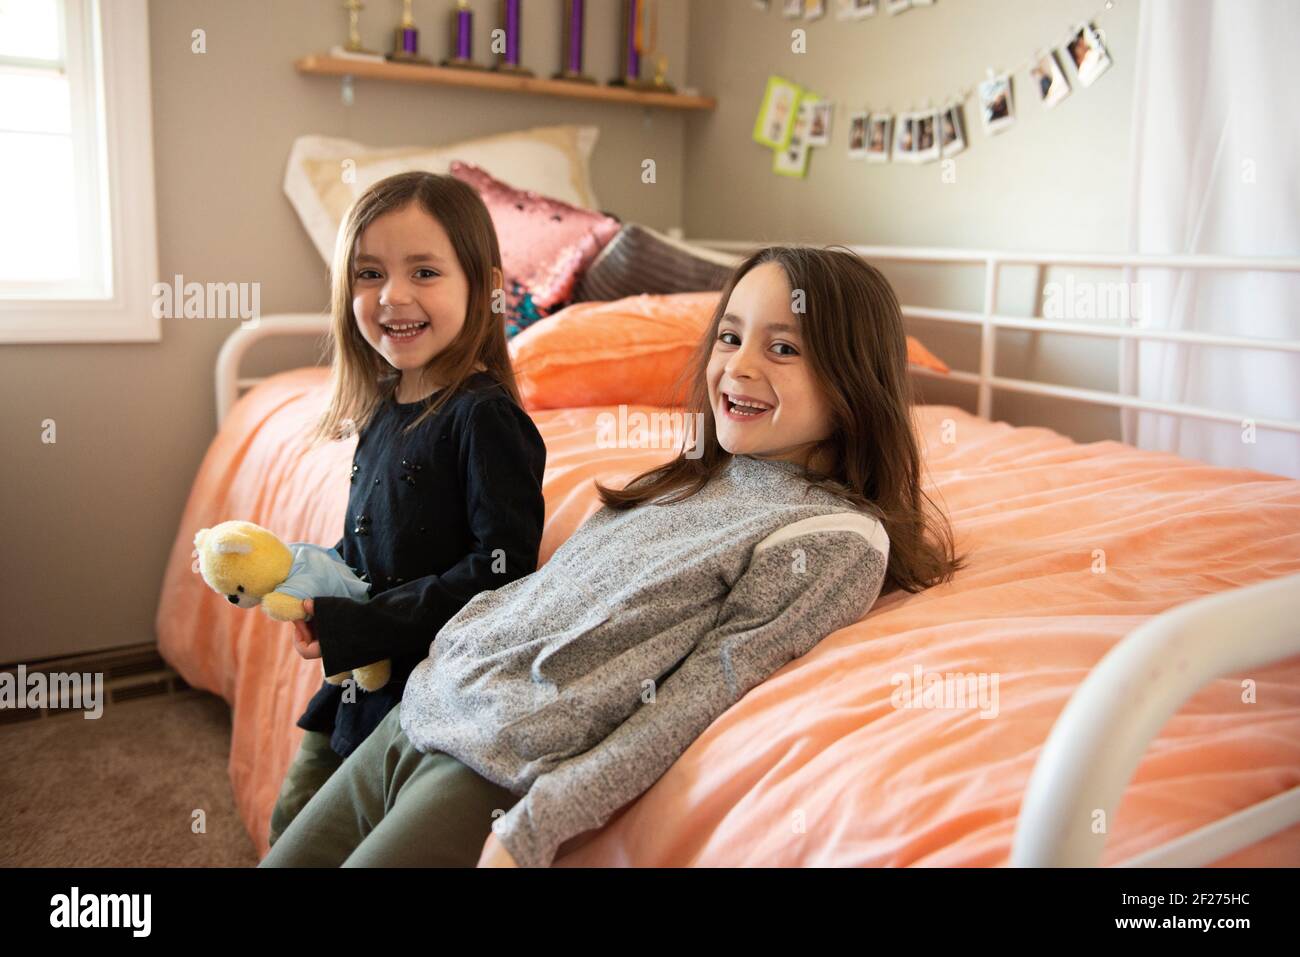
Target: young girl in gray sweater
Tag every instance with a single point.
(548, 704)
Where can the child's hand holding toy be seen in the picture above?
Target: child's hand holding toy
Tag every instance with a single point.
(304, 642)
(251, 567)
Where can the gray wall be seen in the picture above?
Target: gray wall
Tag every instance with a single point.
(1055, 181)
(88, 521)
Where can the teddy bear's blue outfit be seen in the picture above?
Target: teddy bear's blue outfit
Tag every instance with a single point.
(318, 572)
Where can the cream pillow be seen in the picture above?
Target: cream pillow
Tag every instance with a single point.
(551, 160)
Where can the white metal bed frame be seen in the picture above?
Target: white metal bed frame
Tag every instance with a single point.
(990, 320)
(1098, 741)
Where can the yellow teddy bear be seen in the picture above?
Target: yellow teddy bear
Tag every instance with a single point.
(250, 566)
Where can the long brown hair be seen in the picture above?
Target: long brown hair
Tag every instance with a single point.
(362, 378)
(852, 330)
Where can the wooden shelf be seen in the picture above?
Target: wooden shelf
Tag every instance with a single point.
(325, 65)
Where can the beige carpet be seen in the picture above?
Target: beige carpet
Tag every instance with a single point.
(121, 791)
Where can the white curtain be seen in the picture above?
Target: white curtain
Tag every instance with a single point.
(1216, 170)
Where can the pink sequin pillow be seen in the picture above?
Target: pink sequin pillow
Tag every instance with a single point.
(545, 244)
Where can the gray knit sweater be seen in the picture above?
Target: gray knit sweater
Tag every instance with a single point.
(578, 686)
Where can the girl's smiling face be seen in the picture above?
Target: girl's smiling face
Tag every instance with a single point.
(765, 400)
(409, 293)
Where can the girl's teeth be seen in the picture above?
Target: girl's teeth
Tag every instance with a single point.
(740, 409)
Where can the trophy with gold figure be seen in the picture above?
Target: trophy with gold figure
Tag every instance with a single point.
(575, 21)
(462, 38)
(406, 39)
(509, 62)
(353, 46)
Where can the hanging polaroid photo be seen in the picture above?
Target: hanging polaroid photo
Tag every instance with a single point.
(814, 9)
(792, 9)
(856, 9)
(1049, 79)
(952, 131)
(1088, 55)
(904, 138)
(857, 135)
(762, 4)
(879, 128)
(777, 113)
(927, 137)
(896, 6)
(997, 111)
(793, 160)
(820, 133)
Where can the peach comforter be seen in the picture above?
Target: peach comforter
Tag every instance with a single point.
(815, 766)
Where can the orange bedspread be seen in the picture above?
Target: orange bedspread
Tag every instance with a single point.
(815, 766)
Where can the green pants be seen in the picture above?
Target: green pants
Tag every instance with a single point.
(389, 805)
(307, 774)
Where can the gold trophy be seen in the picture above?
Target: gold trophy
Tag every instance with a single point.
(661, 75)
(354, 8)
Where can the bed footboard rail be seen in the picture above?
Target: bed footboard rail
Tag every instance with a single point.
(1100, 737)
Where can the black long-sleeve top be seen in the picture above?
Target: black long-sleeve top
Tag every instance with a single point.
(434, 517)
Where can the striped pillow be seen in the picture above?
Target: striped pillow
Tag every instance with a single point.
(639, 260)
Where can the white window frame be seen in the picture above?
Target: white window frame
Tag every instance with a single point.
(123, 312)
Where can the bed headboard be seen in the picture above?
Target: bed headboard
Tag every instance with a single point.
(990, 320)
(228, 379)
(229, 383)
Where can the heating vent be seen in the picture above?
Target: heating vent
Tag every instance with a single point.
(129, 674)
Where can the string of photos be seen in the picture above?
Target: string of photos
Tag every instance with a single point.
(792, 120)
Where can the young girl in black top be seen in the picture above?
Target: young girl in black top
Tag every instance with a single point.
(446, 498)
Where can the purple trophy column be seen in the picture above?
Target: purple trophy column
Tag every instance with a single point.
(575, 36)
(633, 56)
(464, 26)
(512, 32)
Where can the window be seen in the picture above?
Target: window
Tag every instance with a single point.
(77, 264)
